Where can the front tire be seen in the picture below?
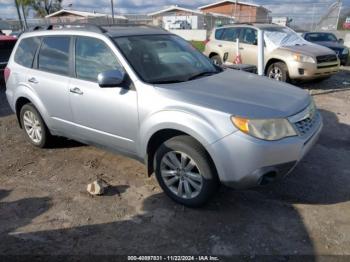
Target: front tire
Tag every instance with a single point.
(35, 130)
(216, 59)
(278, 71)
(185, 171)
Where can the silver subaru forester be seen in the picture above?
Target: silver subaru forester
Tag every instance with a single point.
(149, 94)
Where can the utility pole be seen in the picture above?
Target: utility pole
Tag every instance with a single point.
(24, 18)
(19, 15)
(340, 4)
(112, 7)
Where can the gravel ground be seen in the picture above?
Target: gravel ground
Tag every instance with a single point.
(45, 209)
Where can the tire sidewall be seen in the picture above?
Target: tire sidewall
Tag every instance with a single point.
(216, 60)
(44, 131)
(210, 181)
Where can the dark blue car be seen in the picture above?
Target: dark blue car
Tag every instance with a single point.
(331, 41)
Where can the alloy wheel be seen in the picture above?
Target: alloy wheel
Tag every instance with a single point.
(181, 174)
(32, 126)
(276, 73)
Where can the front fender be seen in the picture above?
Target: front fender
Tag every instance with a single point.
(185, 122)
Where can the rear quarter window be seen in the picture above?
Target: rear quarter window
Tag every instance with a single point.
(26, 50)
(218, 34)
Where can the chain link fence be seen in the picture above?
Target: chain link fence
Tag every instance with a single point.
(328, 15)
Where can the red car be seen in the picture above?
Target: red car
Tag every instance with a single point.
(346, 24)
(6, 45)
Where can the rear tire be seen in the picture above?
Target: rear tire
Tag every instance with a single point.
(216, 59)
(278, 71)
(185, 172)
(34, 127)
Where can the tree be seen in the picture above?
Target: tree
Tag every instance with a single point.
(42, 7)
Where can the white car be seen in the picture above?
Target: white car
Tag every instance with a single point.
(180, 24)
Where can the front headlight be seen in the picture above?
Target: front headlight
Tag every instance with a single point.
(266, 129)
(345, 51)
(303, 58)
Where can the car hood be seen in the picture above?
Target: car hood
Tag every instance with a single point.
(309, 49)
(239, 93)
(330, 45)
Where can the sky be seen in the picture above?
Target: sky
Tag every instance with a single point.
(280, 7)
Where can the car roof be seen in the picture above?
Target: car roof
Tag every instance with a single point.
(118, 31)
(256, 25)
(318, 33)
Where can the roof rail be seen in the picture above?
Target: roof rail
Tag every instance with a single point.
(78, 26)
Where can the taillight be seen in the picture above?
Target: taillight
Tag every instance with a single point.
(7, 73)
(206, 41)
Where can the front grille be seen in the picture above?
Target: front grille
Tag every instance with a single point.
(326, 58)
(306, 125)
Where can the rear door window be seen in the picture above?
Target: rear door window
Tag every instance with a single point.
(93, 56)
(26, 50)
(54, 55)
(230, 34)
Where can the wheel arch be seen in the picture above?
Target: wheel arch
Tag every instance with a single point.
(213, 54)
(169, 123)
(20, 102)
(25, 95)
(272, 61)
(158, 138)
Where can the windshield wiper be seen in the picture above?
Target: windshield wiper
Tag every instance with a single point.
(205, 73)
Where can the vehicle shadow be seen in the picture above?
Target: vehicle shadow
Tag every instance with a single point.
(323, 177)
(5, 109)
(16, 214)
(233, 224)
(337, 83)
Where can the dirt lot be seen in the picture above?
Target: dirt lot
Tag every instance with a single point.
(45, 209)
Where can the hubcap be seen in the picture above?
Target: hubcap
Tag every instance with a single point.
(181, 174)
(32, 126)
(276, 73)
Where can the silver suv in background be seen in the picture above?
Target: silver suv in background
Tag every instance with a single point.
(287, 55)
(150, 95)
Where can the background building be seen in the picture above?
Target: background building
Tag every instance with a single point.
(71, 16)
(197, 19)
(242, 12)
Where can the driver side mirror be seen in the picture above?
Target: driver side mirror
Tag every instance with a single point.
(341, 41)
(111, 78)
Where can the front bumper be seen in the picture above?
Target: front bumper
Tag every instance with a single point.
(243, 161)
(309, 71)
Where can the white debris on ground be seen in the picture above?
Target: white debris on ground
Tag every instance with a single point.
(97, 187)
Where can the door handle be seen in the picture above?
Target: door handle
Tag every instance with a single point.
(241, 48)
(76, 90)
(219, 45)
(33, 80)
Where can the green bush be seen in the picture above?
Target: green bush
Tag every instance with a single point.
(199, 45)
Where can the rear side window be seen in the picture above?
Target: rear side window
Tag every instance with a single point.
(54, 55)
(26, 50)
(218, 34)
(93, 56)
(230, 34)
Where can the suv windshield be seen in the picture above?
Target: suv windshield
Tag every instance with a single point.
(320, 37)
(164, 59)
(282, 36)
